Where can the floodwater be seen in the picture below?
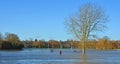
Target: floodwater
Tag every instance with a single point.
(68, 56)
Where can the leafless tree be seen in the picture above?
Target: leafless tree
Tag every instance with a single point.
(89, 19)
(13, 38)
(1, 38)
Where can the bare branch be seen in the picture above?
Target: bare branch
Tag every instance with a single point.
(89, 18)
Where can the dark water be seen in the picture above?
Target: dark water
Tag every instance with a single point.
(69, 56)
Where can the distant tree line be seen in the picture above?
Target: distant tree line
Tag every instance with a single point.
(12, 41)
(100, 44)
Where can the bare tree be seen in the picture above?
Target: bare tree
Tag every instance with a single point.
(1, 39)
(89, 19)
(13, 38)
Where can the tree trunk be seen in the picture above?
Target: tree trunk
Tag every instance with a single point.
(83, 44)
(83, 48)
(83, 51)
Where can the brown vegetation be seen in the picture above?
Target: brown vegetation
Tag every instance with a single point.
(101, 44)
(11, 41)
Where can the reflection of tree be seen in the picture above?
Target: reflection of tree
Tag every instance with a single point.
(84, 60)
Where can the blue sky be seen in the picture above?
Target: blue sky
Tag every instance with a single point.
(44, 19)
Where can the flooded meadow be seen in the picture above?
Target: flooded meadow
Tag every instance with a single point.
(68, 56)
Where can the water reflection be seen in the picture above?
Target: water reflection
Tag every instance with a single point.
(84, 60)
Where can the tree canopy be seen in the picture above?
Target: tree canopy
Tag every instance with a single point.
(90, 18)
